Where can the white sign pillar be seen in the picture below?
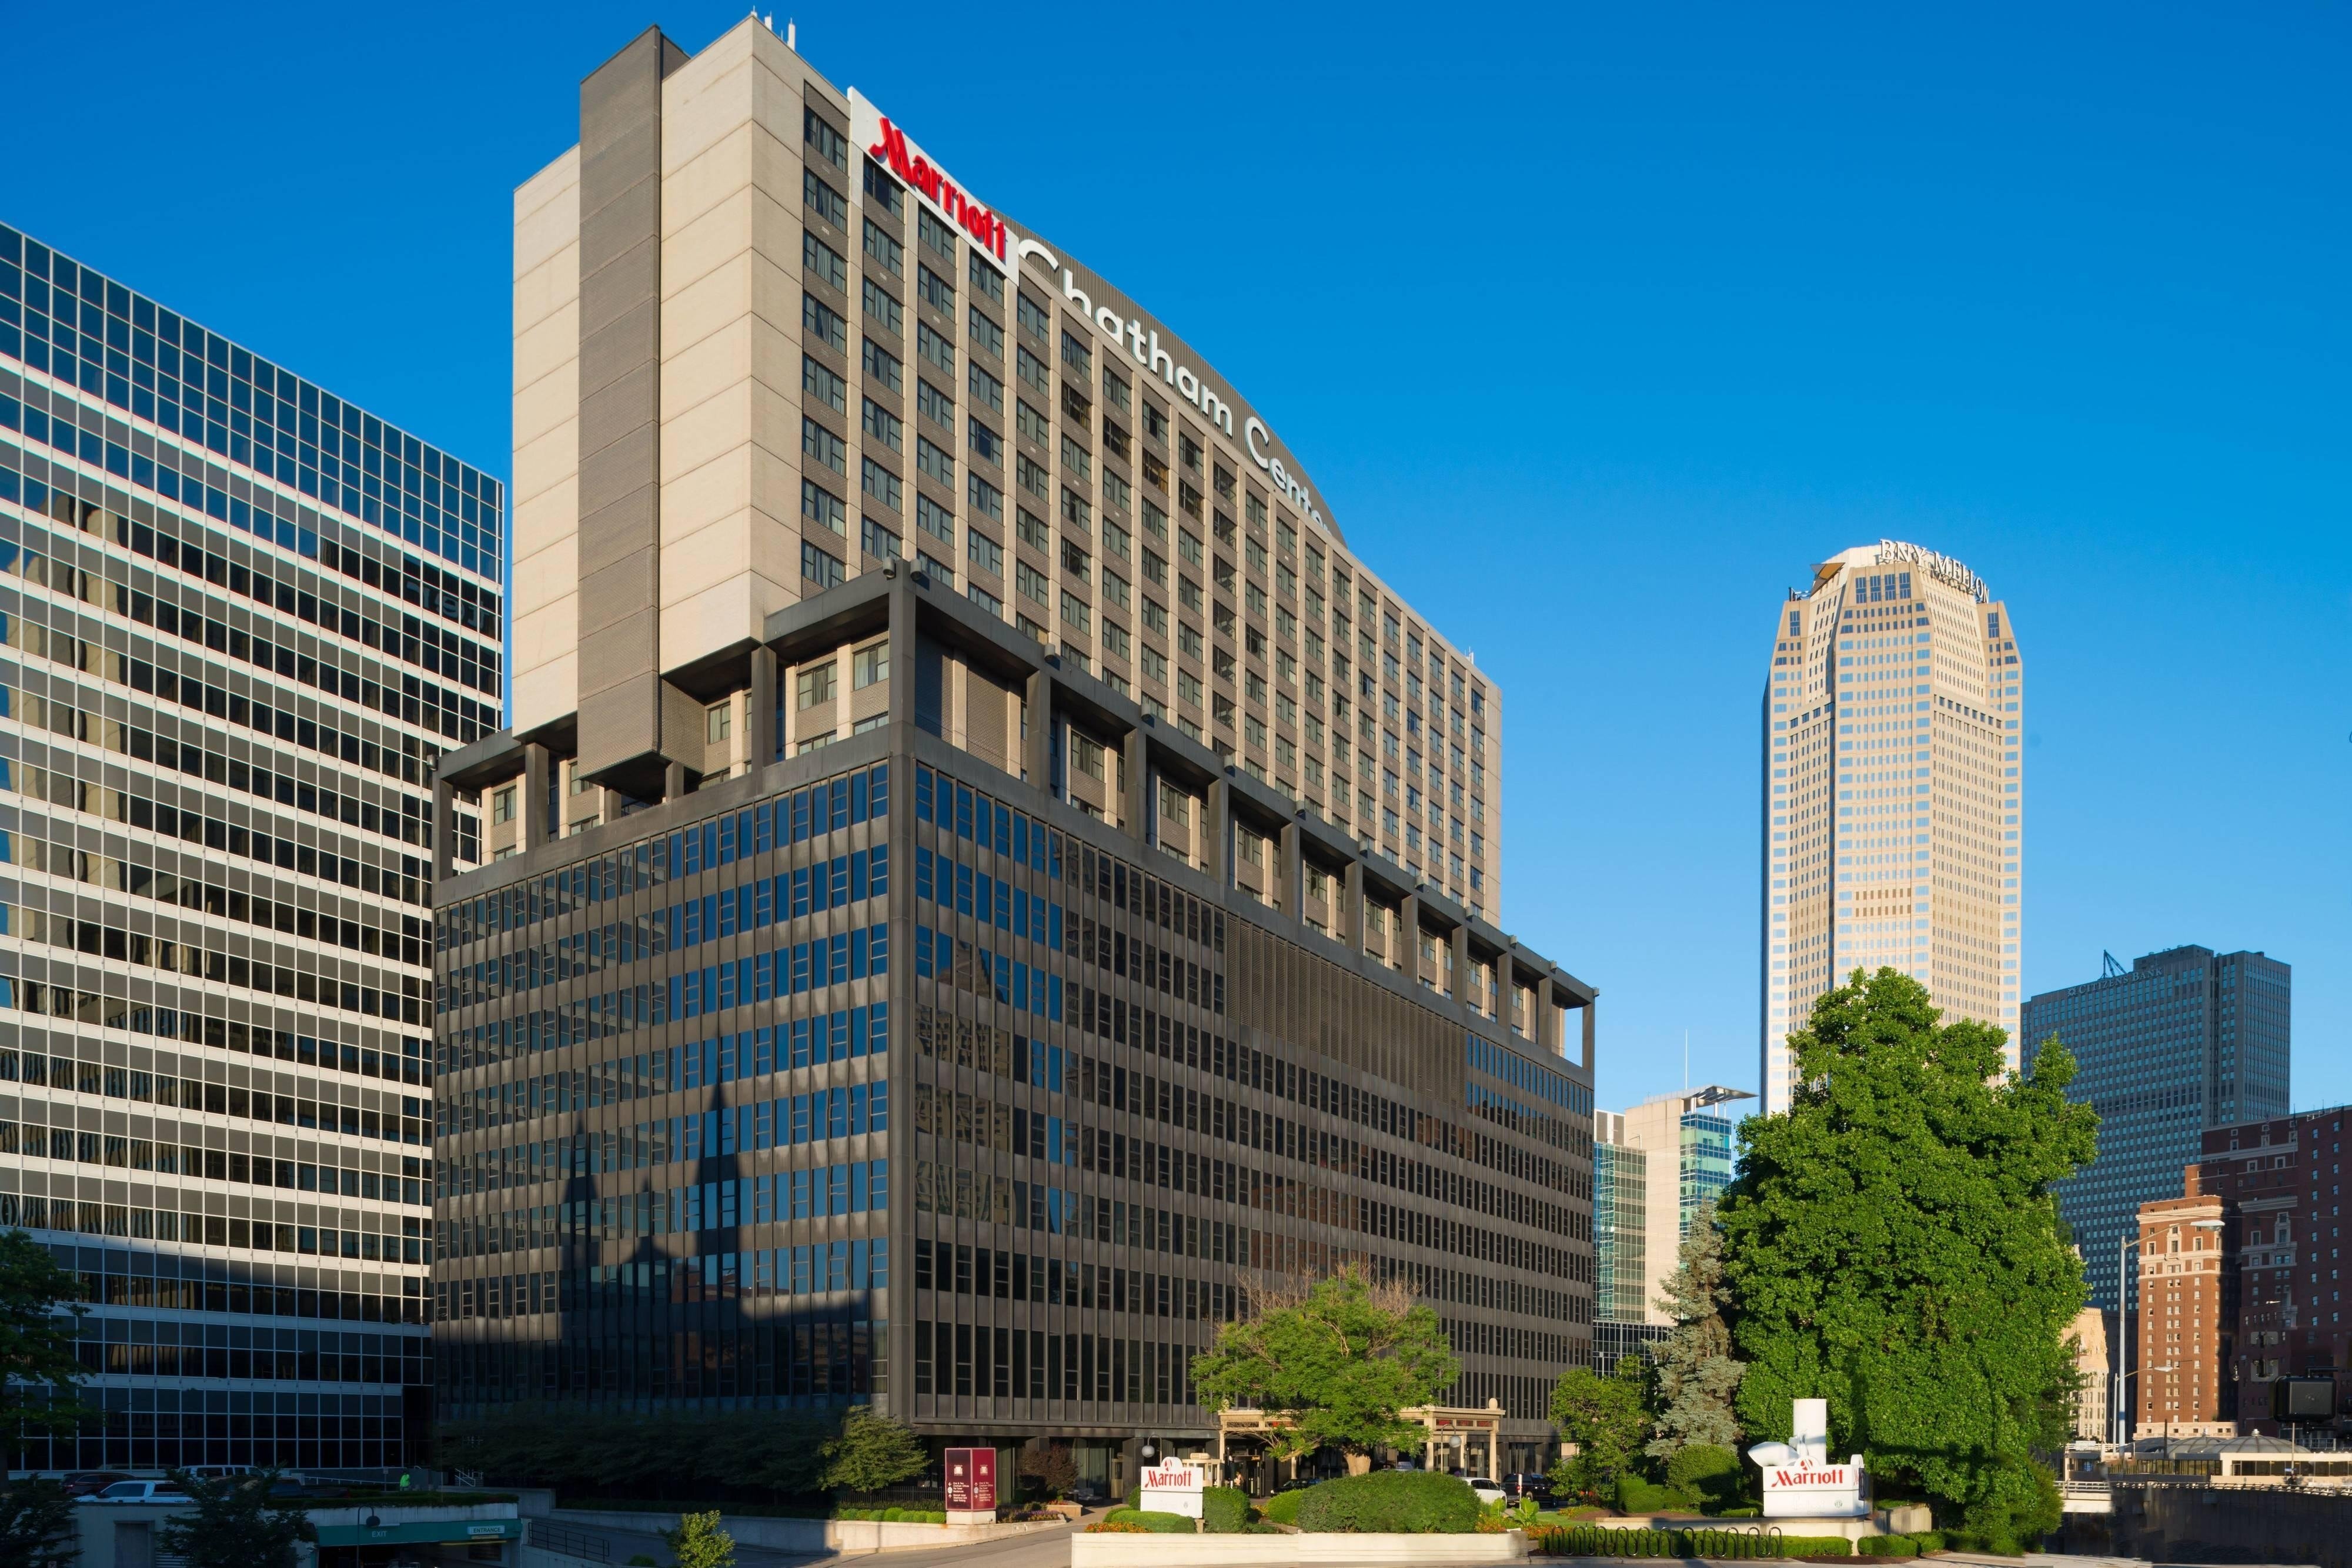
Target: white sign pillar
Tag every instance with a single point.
(1800, 1482)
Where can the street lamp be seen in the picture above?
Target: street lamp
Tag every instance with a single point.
(2123, 1326)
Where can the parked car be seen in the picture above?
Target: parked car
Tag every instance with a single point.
(1522, 1484)
(138, 1491)
(81, 1483)
(1488, 1492)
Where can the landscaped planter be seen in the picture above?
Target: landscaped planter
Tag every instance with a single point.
(1123, 1551)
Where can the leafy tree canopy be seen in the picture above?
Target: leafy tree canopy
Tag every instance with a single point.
(1340, 1359)
(698, 1543)
(235, 1524)
(1605, 1418)
(872, 1452)
(38, 1370)
(1892, 1245)
(37, 1525)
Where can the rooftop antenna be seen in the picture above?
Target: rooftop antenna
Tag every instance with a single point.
(791, 35)
(2108, 967)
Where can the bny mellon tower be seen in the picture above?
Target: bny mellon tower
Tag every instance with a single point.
(1893, 783)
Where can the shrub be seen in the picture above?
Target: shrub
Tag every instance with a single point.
(929, 1516)
(1153, 1521)
(1887, 1546)
(1816, 1546)
(1928, 1540)
(1636, 1495)
(1223, 1511)
(894, 1516)
(1593, 1540)
(1282, 1508)
(1707, 1475)
(1115, 1527)
(1401, 1502)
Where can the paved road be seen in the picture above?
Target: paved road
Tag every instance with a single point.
(1041, 1549)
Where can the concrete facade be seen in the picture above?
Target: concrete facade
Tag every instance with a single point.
(761, 347)
(1891, 797)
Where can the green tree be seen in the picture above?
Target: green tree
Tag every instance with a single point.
(1892, 1245)
(1605, 1418)
(698, 1543)
(37, 1525)
(1697, 1374)
(235, 1524)
(871, 1452)
(1340, 1359)
(39, 1368)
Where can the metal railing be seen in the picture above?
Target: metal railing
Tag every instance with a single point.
(550, 1536)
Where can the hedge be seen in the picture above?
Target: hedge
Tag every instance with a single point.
(1392, 1502)
(1282, 1508)
(1887, 1546)
(1223, 1511)
(1593, 1540)
(1157, 1523)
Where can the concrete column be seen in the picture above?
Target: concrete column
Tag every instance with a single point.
(1351, 913)
(1539, 1028)
(1037, 740)
(1409, 928)
(1137, 749)
(1294, 873)
(1217, 831)
(535, 825)
(445, 829)
(1506, 986)
(760, 710)
(1462, 967)
(1589, 1009)
(674, 781)
(902, 662)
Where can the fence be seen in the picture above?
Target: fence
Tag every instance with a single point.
(551, 1536)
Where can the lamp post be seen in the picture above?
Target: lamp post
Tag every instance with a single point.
(2123, 1328)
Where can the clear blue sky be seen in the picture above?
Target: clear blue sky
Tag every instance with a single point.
(1641, 310)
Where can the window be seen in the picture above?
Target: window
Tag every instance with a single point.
(933, 518)
(879, 482)
(888, 253)
(822, 384)
(1077, 512)
(1115, 390)
(503, 805)
(985, 553)
(1114, 637)
(935, 405)
(1189, 547)
(987, 337)
(1154, 664)
(878, 540)
(820, 568)
(830, 144)
(988, 281)
(1074, 562)
(822, 262)
(1031, 316)
(985, 443)
(883, 366)
(1031, 530)
(1188, 687)
(823, 323)
(824, 201)
(719, 721)
(882, 426)
(1155, 521)
(935, 291)
(1076, 611)
(1078, 357)
(868, 665)
(824, 446)
(986, 500)
(1031, 476)
(937, 236)
(932, 347)
(1030, 422)
(1030, 370)
(1086, 754)
(816, 684)
(1116, 491)
(883, 306)
(885, 193)
(981, 596)
(822, 507)
(1155, 569)
(986, 391)
(1030, 582)
(1077, 459)
(1155, 617)
(1114, 588)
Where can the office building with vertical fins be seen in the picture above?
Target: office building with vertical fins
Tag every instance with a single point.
(981, 877)
(1892, 793)
(241, 618)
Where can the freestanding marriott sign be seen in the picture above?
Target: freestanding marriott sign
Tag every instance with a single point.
(1800, 1482)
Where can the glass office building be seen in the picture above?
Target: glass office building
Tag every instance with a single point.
(2184, 1041)
(242, 620)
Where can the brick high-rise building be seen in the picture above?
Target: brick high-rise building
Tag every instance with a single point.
(2180, 1328)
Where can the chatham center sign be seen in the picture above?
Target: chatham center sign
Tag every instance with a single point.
(1799, 1482)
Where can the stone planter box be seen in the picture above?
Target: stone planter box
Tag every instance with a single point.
(1285, 1550)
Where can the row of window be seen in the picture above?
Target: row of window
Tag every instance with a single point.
(290, 1237)
(814, 1269)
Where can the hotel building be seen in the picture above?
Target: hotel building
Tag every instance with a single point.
(980, 874)
(242, 618)
(1892, 788)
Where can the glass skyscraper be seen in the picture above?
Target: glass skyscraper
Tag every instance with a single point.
(242, 618)
(2183, 1040)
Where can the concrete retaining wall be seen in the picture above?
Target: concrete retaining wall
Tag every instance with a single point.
(1284, 1551)
(2212, 1524)
(810, 1536)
